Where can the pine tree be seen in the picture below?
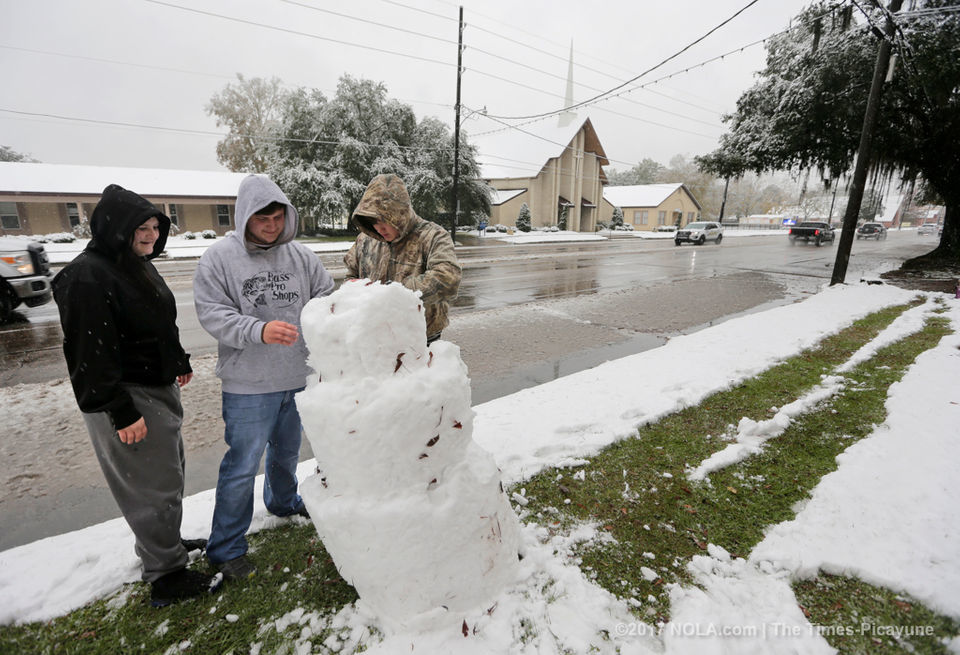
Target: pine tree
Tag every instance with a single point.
(523, 219)
(617, 219)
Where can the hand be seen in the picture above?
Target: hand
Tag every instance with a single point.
(184, 379)
(133, 433)
(280, 333)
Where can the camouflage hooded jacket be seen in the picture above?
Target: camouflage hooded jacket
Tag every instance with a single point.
(421, 257)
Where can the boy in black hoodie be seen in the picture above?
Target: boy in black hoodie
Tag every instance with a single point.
(126, 365)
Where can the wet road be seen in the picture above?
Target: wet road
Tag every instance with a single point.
(506, 275)
(526, 315)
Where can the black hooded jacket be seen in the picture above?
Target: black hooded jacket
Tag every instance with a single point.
(117, 313)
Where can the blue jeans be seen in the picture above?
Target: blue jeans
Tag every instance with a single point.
(254, 422)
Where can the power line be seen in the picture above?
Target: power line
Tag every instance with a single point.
(634, 79)
(299, 33)
(211, 133)
(101, 60)
(492, 55)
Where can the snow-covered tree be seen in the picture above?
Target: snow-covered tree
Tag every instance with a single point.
(646, 172)
(806, 111)
(523, 218)
(9, 154)
(323, 152)
(251, 110)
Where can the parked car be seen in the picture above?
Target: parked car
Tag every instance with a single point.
(24, 276)
(699, 233)
(927, 228)
(814, 231)
(872, 231)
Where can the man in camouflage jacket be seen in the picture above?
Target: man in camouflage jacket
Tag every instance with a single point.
(396, 245)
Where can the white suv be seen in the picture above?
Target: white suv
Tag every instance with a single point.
(699, 233)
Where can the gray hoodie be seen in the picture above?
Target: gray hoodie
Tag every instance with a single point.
(239, 287)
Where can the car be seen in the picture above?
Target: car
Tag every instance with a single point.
(872, 231)
(25, 276)
(811, 231)
(699, 233)
(927, 228)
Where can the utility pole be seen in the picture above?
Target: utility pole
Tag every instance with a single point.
(863, 152)
(723, 203)
(456, 138)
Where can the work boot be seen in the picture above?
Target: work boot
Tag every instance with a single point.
(194, 544)
(238, 568)
(180, 585)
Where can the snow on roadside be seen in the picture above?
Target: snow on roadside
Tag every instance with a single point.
(614, 398)
(889, 515)
(751, 434)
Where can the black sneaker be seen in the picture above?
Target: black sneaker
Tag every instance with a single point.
(180, 585)
(238, 568)
(194, 544)
(303, 512)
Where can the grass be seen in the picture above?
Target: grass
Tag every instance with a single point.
(636, 490)
(294, 572)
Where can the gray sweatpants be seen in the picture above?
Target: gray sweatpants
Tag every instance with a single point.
(146, 478)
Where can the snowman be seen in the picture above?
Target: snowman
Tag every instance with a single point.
(410, 508)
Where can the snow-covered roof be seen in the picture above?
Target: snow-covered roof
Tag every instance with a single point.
(505, 152)
(20, 177)
(500, 196)
(639, 195)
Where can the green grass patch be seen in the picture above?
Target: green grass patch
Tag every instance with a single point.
(855, 617)
(294, 571)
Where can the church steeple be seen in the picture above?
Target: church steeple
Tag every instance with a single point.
(567, 117)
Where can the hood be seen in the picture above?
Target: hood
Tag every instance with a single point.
(255, 193)
(386, 198)
(117, 216)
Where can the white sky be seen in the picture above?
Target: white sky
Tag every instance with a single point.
(145, 62)
(889, 515)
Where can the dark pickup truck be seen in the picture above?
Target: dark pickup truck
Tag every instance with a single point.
(811, 231)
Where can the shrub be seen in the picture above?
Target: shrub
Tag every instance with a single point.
(62, 237)
(189, 235)
(82, 230)
(209, 234)
(523, 219)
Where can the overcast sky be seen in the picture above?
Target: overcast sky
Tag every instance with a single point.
(69, 68)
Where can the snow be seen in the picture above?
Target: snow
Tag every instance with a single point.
(411, 511)
(177, 247)
(639, 195)
(58, 179)
(890, 514)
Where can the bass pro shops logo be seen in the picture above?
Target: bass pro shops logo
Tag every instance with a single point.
(269, 288)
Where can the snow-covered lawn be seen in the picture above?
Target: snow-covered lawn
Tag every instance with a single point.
(890, 514)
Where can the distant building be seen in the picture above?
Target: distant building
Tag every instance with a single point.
(648, 206)
(38, 199)
(553, 169)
